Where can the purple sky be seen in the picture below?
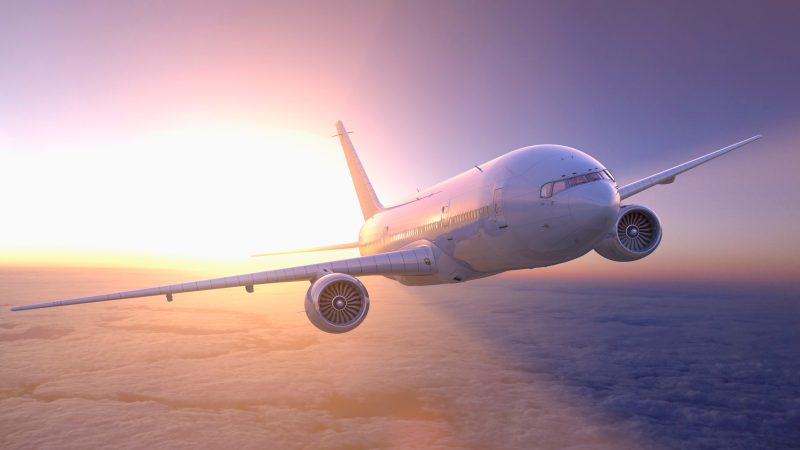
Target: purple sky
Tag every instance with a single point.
(430, 88)
(178, 131)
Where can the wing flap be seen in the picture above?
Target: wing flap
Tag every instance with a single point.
(413, 261)
(668, 176)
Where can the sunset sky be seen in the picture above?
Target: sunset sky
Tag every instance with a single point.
(148, 143)
(171, 132)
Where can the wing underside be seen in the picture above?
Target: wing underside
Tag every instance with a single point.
(413, 261)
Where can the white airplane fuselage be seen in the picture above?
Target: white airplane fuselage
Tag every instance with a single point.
(533, 207)
(493, 218)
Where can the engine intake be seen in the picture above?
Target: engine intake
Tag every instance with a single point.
(635, 234)
(337, 303)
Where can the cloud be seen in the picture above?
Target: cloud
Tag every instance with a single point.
(495, 363)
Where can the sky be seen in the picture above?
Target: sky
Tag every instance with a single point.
(177, 131)
(149, 143)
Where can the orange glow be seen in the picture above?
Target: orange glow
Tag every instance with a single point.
(204, 134)
(213, 190)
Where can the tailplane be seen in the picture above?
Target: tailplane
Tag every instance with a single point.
(324, 248)
(366, 194)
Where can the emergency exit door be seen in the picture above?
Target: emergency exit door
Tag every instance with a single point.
(497, 210)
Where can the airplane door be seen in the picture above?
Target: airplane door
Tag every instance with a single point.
(497, 204)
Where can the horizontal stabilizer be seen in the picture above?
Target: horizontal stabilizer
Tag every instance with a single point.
(324, 248)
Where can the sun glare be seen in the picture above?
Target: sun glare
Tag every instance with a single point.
(212, 189)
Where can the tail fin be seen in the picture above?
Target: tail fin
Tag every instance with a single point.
(366, 195)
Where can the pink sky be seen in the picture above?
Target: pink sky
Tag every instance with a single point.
(202, 131)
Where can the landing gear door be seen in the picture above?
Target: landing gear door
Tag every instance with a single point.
(497, 209)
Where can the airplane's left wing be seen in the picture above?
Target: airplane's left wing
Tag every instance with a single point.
(668, 176)
(413, 261)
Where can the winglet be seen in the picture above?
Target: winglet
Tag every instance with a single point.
(367, 198)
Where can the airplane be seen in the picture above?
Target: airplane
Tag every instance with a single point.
(532, 207)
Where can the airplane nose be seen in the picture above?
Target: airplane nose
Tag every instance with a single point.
(594, 206)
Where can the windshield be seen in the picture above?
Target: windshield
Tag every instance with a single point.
(554, 187)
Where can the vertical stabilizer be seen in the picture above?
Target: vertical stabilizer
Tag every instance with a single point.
(366, 195)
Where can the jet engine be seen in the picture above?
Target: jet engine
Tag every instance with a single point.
(635, 234)
(337, 303)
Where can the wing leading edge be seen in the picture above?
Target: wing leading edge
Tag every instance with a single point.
(668, 176)
(413, 261)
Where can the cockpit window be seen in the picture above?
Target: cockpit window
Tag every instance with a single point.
(547, 190)
(594, 176)
(554, 187)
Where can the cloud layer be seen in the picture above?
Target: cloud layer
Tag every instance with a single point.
(498, 363)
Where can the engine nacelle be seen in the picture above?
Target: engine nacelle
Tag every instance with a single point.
(635, 234)
(337, 303)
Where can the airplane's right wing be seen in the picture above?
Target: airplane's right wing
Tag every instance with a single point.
(412, 261)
